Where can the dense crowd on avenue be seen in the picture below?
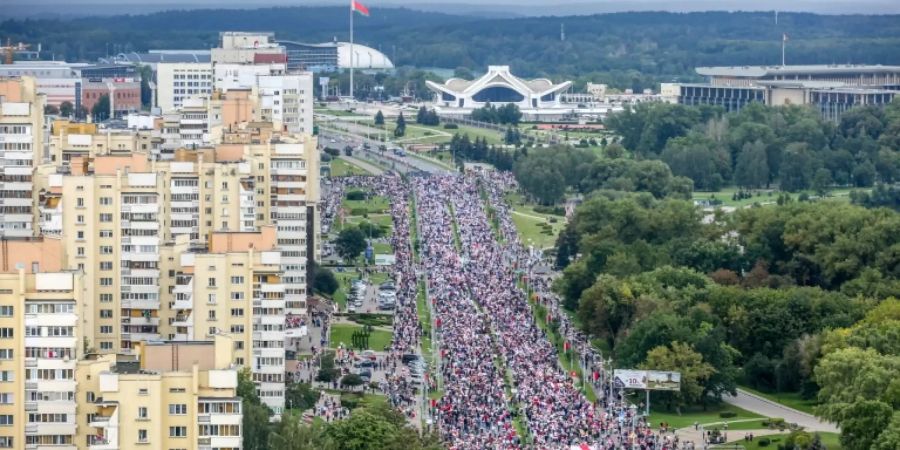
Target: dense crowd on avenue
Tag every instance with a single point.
(502, 384)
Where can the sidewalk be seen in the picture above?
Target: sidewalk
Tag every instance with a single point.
(754, 403)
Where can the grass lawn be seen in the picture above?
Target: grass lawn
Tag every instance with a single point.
(374, 205)
(530, 224)
(382, 220)
(831, 440)
(690, 415)
(789, 399)
(362, 400)
(725, 195)
(340, 296)
(426, 134)
(342, 168)
(382, 248)
(344, 333)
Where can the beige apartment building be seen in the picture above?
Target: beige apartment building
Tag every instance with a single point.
(70, 140)
(234, 287)
(167, 395)
(22, 147)
(41, 338)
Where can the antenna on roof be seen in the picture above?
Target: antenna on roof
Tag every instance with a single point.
(562, 32)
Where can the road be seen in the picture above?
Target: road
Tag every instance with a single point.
(768, 408)
(404, 164)
(367, 166)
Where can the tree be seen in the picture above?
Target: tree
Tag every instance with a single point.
(400, 130)
(352, 380)
(256, 415)
(699, 158)
(66, 109)
(752, 168)
(364, 430)
(146, 77)
(379, 118)
(607, 308)
(350, 243)
(324, 281)
(680, 357)
(301, 396)
(292, 434)
(100, 111)
(51, 110)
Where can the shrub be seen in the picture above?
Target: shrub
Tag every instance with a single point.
(764, 442)
(332, 151)
(359, 212)
(451, 126)
(552, 220)
(355, 195)
(727, 414)
(554, 210)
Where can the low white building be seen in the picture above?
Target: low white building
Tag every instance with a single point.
(498, 87)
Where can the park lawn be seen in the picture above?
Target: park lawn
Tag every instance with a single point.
(529, 223)
(725, 195)
(364, 400)
(697, 414)
(337, 112)
(343, 333)
(376, 204)
(832, 441)
(343, 168)
(382, 248)
(789, 399)
(340, 296)
(382, 220)
(378, 278)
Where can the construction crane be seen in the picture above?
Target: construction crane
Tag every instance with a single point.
(10, 50)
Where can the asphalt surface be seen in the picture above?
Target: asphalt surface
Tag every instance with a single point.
(768, 408)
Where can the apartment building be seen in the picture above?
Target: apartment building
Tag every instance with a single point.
(286, 101)
(234, 287)
(21, 144)
(167, 395)
(87, 140)
(41, 337)
(177, 82)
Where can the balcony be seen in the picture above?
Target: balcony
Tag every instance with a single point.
(31, 406)
(144, 321)
(30, 362)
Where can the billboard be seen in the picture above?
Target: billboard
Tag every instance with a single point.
(647, 379)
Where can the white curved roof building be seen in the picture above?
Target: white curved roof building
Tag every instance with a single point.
(364, 57)
(498, 87)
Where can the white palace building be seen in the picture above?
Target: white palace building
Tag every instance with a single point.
(538, 98)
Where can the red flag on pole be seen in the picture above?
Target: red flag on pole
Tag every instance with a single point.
(359, 7)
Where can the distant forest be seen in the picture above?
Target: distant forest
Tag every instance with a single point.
(626, 50)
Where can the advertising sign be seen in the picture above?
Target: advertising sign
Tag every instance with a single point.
(663, 381)
(631, 379)
(654, 380)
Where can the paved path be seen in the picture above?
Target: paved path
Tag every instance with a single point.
(754, 403)
(367, 166)
(696, 436)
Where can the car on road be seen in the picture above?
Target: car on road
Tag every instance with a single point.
(409, 357)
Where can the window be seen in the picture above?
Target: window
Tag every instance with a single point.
(177, 409)
(6, 311)
(6, 333)
(106, 233)
(106, 265)
(211, 298)
(142, 436)
(106, 201)
(80, 218)
(237, 280)
(6, 398)
(105, 298)
(237, 312)
(211, 316)
(6, 442)
(106, 250)
(178, 432)
(176, 390)
(106, 217)
(7, 376)
(106, 329)
(80, 234)
(212, 331)
(143, 391)
(142, 412)
(237, 295)
(6, 420)
(238, 345)
(235, 329)
(6, 353)
(106, 345)
(106, 281)
(212, 282)
(80, 251)
(79, 202)
(106, 314)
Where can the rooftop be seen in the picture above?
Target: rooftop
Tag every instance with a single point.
(815, 69)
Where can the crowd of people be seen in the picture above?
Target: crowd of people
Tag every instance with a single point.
(502, 384)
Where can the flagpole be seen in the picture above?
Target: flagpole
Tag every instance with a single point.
(783, 41)
(351, 49)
